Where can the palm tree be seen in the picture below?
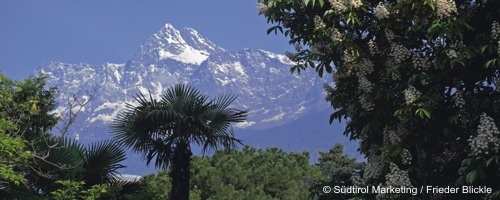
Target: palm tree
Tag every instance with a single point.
(67, 159)
(163, 130)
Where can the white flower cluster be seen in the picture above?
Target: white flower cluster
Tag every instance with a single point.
(395, 76)
(318, 22)
(317, 48)
(420, 63)
(495, 30)
(357, 180)
(381, 11)
(445, 8)
(262, 8)
(362, 68)
(336, 35)
(389, 34)
(400, 53)
(487, 138)
(391, 136)
(372, 170)
(495, 34)
(411, 95)
(355, 3)
(350, 56)
(338, 6)
(365, 67)
(372, 47)
(365, 84)
(448, 155)
(406, 160)
(397, 177)
(459, 99)
(349, 61)
(452, 54)
(366, 103)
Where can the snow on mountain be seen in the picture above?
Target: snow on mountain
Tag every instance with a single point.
(259, 78)
(186, 46)
(263, 83)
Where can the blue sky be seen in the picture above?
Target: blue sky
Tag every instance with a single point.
(34, 32)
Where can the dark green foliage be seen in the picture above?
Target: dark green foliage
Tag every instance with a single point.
(337, 170)
(414, 81)
(101, 162)
(28, 104)
(26, 108)
(241, 174)
(253, 174)
(72, 190)
(153, 187)
(13, 152)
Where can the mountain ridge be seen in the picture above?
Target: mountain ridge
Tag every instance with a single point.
(261, 80)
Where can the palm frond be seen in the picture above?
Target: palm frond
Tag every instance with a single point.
(63, 158)
(102, 161)
(219, 133)
(153, 128)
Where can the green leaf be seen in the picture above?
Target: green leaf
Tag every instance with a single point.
(398, 112)
(471, 177)
(489, 161)
(321, 3)
(492, 63)
(484, 48)
(422, 112)
(328, 13)
(328, 69)
(457, 62)
(270, 30)
(455, 119)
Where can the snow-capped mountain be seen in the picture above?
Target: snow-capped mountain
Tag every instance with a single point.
(287, 111)
(259, 78)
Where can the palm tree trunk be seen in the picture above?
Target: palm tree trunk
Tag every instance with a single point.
(180, 172)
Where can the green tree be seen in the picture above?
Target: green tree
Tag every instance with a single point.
(240, 174)
(25, 117)
(165, 129)
(13, 152)
(28, 104)
(95, 164)
(416, 81)
(32, 155)
(337, 169)
(254, 174)
(153, 187)
(72, 190)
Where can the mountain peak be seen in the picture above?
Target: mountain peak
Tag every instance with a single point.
(185, 46)
(168, 26)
